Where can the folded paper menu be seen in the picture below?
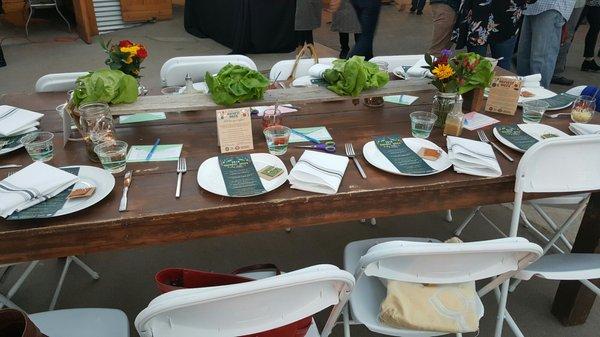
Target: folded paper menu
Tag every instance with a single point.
(166, 152)
(401, 99)
(516, 136)
(401, 156)
(472, 157)
(240, 176)
(14, 121)
(560, 101)
(318, 172)
(32, 185)
(475, 120)
(319, 133)
(142, 117)
(234, 130)
(504, 95)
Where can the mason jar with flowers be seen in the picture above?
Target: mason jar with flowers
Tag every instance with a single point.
(444, 79)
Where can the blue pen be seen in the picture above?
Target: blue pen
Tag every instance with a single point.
(153, 149)
(311, 139)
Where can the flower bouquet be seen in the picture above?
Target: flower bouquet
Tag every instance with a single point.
(126, 56)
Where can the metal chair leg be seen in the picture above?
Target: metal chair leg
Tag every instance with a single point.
(467, 220)
(62, 16)
(86, 268)
(60, 283)
(346, 315)
(509, 320)
(501, 309)
(27, 23)
(4, 301)
(449, 215)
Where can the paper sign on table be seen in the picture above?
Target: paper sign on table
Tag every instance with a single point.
(234, 130)
(142, 117)
(167, 152)
(475, 120)
(319, 133)
(401, 99)
(504, 95)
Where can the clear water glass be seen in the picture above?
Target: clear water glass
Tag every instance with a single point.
(533, 111)
(172, 90)
(583, 109)
(421, 123)
(278, 137)
(39, 145)
(112, 155)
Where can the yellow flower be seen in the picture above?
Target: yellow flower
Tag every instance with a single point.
(132, 51)
(443, 71)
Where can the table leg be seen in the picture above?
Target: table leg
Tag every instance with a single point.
(573, 301)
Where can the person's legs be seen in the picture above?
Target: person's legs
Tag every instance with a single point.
(420, 6)
(2, 60)
(561, 61)
(546, 30)
(368, 15)
(524, 51)
(414, 5)
(344, 45)
(443, 17)
(591, 38)
(503, 50)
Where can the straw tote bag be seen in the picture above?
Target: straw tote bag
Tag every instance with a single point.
(15, 323)
(178, 278)
(307, 48)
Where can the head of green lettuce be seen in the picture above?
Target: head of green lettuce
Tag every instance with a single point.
(350, 77)
(235, 83)
(105, 86)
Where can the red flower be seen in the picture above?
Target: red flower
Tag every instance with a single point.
(142, 52)
(125, 43)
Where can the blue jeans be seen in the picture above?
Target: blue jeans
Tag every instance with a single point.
(540, 44)
(368, 15)
(503, 49)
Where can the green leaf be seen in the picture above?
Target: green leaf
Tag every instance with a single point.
(106, 86)
(235, 83)
(351, 77)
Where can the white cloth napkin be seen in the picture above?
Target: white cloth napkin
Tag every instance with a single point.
(585, 129)
(472, 157)
(318, 172)
(32, 185)
(15, 120)
(318, 69)
(531, 81)
(418, 71)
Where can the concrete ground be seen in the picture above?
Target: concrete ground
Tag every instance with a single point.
(127, 276)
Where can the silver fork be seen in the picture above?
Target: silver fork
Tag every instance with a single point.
(558, 114)
(181, 169)
(350, 153)
(3, 143)
(10, 173)
(483, 137)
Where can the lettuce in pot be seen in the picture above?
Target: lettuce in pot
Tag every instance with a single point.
(350, 77)
(235, 83)
(106, 86)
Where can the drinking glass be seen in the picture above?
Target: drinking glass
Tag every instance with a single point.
(39, 145)
(96, 126)
(277, 137)
(533, 111)
(421, 123)
(112, 155)
(172, 90)
(271, 117)
(583, 109)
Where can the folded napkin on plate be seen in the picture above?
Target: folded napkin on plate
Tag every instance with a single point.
(418, 71)
(32, 185)
(318, 172)
(585, 129)
(303, 81)
(318, 69)
(531, 81)
(16, 120)
(472, 157)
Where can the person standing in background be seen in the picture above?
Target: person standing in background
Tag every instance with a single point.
(367, 12)
(567, 38)
(345, 22)
(541, 36)
(417, 5)
(2, 60)
(493, 23)
(308, 17)
(592, 13)
(443, 14)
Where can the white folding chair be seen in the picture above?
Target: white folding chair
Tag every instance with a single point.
(395, 61)
(58, 82)
(420, 260)
(248, 308)
(87, 322)
(284, 68)
(173, 71)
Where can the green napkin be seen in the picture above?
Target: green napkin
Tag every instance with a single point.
(49, 207)
(240, 176)
(399, 154)
(516, 136)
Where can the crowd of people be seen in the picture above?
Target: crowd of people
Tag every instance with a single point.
(534, 35)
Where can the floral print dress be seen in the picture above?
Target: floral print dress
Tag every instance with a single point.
(482, 22)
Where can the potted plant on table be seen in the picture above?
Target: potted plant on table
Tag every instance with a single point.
(444, 79)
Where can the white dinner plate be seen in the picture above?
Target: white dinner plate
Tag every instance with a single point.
(377, 159)
(534, 130)
(210, 177)
(15, 146)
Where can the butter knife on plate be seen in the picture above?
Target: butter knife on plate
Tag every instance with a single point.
(126, 184)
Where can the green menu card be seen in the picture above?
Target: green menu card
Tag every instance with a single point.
(240, 176)
(515, 135)
(48, 208)
(560, 101)
(399, 154)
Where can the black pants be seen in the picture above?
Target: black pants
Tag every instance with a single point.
(2, 61)
(345, 40)
(418, 4)
(304, 36)
(368, 15)
(593, 16)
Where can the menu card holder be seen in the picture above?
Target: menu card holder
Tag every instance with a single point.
(234, 130)
(504, 95)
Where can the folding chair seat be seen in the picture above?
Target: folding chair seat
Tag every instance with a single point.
(284, 68)
(86, 322)
(58, 82)
(174, 71)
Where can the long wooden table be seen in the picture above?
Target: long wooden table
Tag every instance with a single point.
(156, 217)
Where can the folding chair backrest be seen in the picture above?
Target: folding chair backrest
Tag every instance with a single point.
(561, 164)
(58, 82)
(443, 263)
(174, 70)
(395, 61)
(246, 308)
(285, 67)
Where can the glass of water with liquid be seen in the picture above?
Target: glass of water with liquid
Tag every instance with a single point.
(39, 145)
(533, 111)
(112, 155)
(421, 123)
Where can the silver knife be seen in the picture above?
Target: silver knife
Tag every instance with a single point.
(10, 166)
(126, 183)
